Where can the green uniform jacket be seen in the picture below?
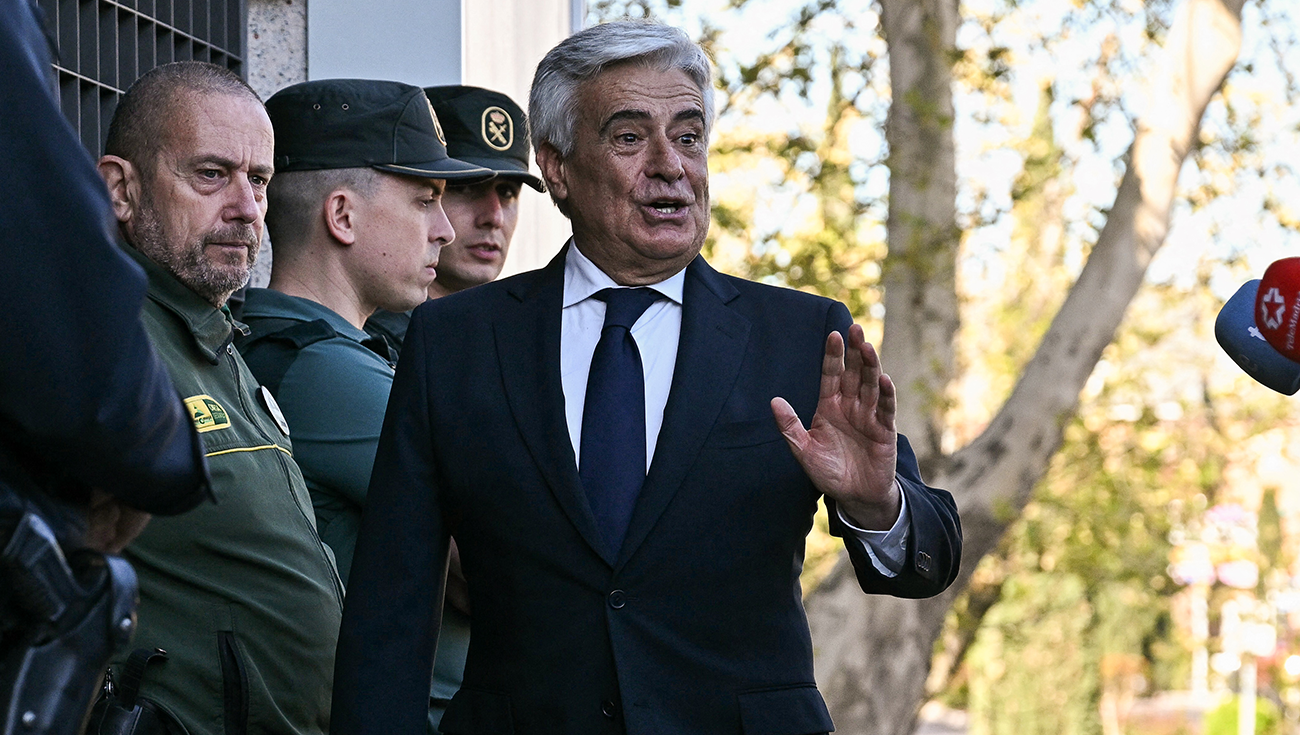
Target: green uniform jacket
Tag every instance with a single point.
(334, 386)
(242, 594)
(334, 391)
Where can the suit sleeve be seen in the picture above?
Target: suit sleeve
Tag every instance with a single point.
(83, 396)
(933, 548)
(392, 611)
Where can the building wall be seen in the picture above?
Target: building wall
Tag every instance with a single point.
(502, 43)
(277, 57)
(277, 44)
(413, 42)
(494, 44)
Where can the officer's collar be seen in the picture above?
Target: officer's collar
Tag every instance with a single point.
(212, 327)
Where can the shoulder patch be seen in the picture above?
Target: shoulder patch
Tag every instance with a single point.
(207, 414)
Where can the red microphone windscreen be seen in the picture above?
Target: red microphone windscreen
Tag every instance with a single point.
(1277, 307)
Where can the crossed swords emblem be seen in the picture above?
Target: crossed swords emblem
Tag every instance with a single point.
(498, 130)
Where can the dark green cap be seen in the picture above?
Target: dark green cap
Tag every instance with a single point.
(354, 123)
(485, 128)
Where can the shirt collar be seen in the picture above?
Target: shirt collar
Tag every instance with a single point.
(266, 303)
(583, 278)
(212, 327)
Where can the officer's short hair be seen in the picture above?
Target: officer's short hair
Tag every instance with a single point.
(552, 102)
(294, 199)
(148, 107)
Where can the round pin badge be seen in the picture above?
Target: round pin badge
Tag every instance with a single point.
(273, 408)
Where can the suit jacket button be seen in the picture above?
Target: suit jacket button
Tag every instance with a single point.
(608, 709)
(617, 599)
(923, 561)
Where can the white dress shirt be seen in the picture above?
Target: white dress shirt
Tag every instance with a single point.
(657, 333)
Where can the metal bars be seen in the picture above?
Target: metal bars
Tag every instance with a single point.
(104, 45)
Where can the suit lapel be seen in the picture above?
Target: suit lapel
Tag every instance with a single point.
(528, 343)
(709, 355)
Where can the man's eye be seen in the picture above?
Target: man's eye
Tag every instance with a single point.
(508, 191)
(211, 174)
(627, 138)
(689, 139)
(260, 181)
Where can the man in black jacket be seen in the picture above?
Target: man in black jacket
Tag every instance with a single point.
(617, 444)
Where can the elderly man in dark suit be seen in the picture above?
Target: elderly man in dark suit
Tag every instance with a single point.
(615, 442)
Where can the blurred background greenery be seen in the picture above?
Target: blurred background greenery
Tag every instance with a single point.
(1174, 494)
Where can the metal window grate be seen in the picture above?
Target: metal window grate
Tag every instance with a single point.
(104, 45)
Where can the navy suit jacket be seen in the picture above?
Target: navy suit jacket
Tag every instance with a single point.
(696, 625)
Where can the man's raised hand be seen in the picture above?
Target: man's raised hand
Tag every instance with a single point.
(851, 448)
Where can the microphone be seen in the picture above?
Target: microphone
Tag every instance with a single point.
(1277, 306)
(1246, 343)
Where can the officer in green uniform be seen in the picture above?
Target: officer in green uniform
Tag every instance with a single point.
(357, 222)
(488, 129)
(242, 595)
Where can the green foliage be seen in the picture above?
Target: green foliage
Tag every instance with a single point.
(1033, 654)
(1222, 720)
(1087, 561)
(1273, 555)
(1097, 524)
(611, 9)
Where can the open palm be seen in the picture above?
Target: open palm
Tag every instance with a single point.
(851, 448)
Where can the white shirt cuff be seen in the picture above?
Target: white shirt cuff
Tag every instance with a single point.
(886, 549)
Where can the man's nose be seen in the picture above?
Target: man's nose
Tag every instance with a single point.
(664, 160)
(245, 200)
(440, 229)
(491, 214)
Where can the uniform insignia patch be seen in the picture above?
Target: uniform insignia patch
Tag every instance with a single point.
(207, 414)
(498, 128)
(437, 126)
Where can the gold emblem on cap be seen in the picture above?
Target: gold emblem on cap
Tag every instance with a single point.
(498, 129)
(437, 126)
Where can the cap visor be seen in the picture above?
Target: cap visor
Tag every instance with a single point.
(507, 168)
(448, 169)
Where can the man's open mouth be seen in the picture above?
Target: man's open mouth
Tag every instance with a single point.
(667, 206)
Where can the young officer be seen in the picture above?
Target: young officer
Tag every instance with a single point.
(358, 225)
(488, 129)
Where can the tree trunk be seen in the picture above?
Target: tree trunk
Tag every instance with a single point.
(874, 652)
(920, 272)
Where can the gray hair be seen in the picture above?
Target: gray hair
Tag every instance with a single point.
(294, 200)
(552, 102)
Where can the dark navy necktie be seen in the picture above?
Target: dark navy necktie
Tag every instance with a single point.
(612, 457)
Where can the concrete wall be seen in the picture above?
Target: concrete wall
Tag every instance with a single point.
(276, 58)
(277, 44)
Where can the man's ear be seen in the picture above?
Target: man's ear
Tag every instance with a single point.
(340, 213)
(123, 181)
(551, 164)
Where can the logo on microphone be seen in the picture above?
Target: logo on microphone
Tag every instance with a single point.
(1272, 316)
